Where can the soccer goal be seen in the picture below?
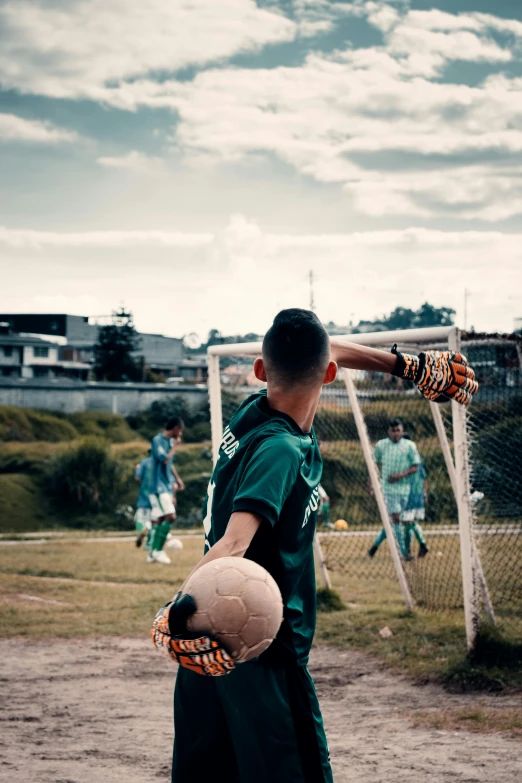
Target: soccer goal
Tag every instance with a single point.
(470, 522)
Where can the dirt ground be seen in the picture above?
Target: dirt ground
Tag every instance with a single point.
(101, 710)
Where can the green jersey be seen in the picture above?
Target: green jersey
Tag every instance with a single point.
(268, 466)
(396, 458)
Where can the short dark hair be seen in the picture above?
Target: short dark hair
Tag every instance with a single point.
(395, 423)
(175, 421)
(296, 348)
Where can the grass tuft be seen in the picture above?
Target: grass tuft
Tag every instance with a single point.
(329, 600)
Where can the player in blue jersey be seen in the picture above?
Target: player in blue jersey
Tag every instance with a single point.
(142, 520)
(163, 476)
(415, 510)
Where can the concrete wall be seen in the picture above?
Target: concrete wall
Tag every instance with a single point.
(123, 398)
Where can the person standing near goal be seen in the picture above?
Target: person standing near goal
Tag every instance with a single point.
(398, 460)
(163, 474)
(262, 722)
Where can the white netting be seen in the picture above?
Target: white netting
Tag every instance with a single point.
(495, 451)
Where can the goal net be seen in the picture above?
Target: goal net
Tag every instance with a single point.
(467, 509)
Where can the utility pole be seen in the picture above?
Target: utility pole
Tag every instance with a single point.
(466, 295)
(311, 277)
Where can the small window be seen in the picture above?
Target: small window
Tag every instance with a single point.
(41, 353)
(8, 351)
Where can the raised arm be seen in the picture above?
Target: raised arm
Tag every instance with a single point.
(360, 357)
(439, 375)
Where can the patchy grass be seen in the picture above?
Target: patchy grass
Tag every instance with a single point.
(481, 719)
(108, 588)
(100, 588)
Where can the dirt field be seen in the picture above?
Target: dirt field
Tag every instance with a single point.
(100, 710)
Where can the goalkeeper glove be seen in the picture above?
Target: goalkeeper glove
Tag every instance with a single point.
(200, 654)
(439, 375)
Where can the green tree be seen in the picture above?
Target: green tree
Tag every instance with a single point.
(428, 315)
(114, 349)
(400, 318)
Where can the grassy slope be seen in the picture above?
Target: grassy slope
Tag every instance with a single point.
(24, 505)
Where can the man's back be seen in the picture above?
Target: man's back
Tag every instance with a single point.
(268, 466)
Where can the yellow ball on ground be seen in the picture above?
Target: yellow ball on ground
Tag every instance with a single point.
(341, 524)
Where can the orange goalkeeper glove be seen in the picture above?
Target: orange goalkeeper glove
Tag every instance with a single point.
(200, 654)
(439, 375)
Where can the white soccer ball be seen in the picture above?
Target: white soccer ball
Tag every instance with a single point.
(174, 543)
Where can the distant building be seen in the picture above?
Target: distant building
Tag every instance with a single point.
(23, 356)
(194, 370)
(77, 335)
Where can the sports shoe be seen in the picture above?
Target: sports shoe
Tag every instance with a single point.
(372, 550)
(423, 550)
(140, 537)
(150, 558)
(407, 557)
(160, 556)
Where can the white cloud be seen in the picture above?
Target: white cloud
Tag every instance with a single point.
(319, 116)
(134, 161)
(27, 238)
(239, 277)
(72, 49)
(14, 128)
(327, 117)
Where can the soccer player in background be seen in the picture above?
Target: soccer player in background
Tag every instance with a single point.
(142, 522)
(163, 473)
(397, 459)
(415, 508)
(262, 722)
(324, 506)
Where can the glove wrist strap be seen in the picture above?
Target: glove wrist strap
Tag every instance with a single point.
(408, 366)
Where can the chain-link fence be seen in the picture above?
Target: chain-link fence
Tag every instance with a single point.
(422, 504)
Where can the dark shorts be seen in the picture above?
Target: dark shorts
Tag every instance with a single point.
(260, 724)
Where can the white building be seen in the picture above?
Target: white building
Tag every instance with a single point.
(23, 356)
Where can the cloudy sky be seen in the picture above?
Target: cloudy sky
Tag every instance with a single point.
(194, 159)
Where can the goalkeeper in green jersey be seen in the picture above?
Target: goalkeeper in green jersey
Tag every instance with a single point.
(261, 722)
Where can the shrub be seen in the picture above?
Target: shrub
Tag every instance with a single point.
(103, 425)
(25, 424)
(86, 477)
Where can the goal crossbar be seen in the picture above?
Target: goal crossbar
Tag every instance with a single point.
(367, 338)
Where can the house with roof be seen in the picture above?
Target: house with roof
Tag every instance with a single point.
(27, 356)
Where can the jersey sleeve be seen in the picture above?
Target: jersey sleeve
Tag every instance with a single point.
(158, 450)
(377, 452)
(269, 477)
(413, 455)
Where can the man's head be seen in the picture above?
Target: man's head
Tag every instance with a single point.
(174, 427)
(395, 430)
(296, 352)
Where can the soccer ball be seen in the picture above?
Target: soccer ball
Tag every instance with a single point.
(174, 543)
(239, 603)
(341, 524)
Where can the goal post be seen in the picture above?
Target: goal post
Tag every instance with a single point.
(468, 543)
